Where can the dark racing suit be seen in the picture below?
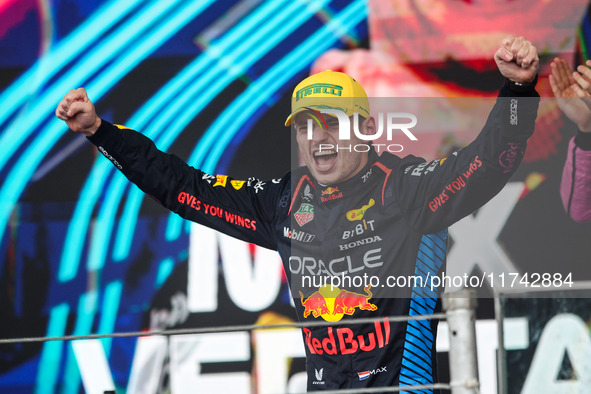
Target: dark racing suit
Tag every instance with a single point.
(389, 220)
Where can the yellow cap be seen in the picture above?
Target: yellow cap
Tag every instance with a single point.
(329, 90)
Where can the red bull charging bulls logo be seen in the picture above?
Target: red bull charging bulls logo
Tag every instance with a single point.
(329, 190)
(333, 303)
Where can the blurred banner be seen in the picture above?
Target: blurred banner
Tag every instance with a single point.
(82, 251)
(547, 344)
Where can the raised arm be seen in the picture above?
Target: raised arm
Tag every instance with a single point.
(245, 209)
(437, 194)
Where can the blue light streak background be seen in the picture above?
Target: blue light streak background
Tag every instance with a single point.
(197, 77)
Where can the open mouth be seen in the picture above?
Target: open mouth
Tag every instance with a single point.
(325, 160)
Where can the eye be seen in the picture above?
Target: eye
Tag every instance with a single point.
(299, 127)
(332, 124)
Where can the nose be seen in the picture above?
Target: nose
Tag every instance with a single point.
(319, 134)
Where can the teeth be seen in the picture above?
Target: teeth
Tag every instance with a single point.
(325, 153)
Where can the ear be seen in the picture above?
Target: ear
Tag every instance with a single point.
(369, 126)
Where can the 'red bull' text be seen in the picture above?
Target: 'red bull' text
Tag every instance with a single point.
(344, 341)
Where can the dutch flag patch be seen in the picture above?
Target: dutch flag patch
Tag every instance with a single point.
(363, 375)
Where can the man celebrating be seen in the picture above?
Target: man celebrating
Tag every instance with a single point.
(347, 215)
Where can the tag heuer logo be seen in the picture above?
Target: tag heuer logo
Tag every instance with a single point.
(305, 214)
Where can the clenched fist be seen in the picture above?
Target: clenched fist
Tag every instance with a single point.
(517, 59)
(78, 112)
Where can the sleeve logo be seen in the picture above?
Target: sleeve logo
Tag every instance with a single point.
(220, 180)
(237, 184)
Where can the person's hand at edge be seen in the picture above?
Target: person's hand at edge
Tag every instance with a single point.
(572, 91)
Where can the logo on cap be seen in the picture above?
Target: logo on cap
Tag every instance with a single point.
(318, 88)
